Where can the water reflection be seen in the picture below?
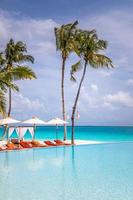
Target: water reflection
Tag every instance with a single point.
(58, 163)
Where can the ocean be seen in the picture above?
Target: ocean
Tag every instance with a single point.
(97, 133)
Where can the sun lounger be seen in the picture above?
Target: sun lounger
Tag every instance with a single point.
(26, 144)
(59, 142)
(2, 148)
(15, 141)
(11, 146)
(3, 143)
(49, 143)
(38, 144)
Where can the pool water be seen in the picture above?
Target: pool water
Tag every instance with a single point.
(89, 172)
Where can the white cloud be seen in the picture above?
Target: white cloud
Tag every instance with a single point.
(24, 105)
(37, 33)
(105, 73)
(116, 25)
(130, 82)
(88, 100)
(109, 106)
(94, 87)
(123, 98)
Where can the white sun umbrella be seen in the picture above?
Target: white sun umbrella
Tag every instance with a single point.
(34, 121)
(56, 122)
(7, 121)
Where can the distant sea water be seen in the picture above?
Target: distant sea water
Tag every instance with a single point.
(97, 133)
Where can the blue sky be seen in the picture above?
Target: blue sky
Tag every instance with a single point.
(107, 95)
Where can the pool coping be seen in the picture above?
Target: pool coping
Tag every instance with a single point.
(77, 143)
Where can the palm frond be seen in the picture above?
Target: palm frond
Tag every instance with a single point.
(102, 44)
(88, 45)
(2, 60)
(21, 73)
(5, 82)
(21, 58)
(57, 37)
(75, 68)
(65, 38)
(20, 47)
(98, 60)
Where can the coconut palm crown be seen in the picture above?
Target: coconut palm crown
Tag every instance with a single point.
(12, 62)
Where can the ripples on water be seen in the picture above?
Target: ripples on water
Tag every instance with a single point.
(91, 172)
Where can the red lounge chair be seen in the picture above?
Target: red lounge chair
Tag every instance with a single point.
(38, 144)
(49, 143)
(26, 144)
(59, 142)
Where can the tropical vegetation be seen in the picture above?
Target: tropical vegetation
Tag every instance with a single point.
(89, 48)
(13, 67)
(65, 36)
(69, 39)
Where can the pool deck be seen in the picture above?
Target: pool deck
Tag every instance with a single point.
(77, 142)
(85, 142)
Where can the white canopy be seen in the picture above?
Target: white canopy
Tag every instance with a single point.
(22, 131)
(8, 120)
(34, 121)
(57, 121)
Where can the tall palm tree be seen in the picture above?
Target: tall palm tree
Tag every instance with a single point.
(14, 56)
(65, 44)
(88, 46)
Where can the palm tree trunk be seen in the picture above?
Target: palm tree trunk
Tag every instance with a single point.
(76, 101)
(62, 94)
(10, 102)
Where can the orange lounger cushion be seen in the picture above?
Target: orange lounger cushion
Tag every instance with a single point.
(38, 144)
(59, 142)
(49, 143)
(11, 146)
(25, 144)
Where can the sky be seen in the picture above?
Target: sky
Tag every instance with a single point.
(107, 95)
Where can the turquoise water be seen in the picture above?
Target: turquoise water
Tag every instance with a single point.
(98, 133)
(91, 172)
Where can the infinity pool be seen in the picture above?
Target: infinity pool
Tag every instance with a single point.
(90, 172)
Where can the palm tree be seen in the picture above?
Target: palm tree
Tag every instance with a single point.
(12, 60)
(65, 44)
(5, 83)
(88, 46)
